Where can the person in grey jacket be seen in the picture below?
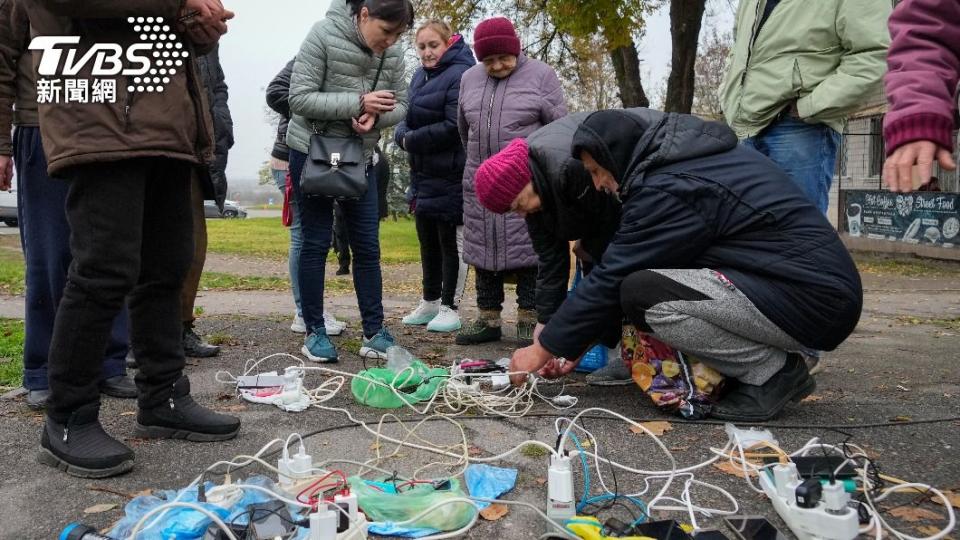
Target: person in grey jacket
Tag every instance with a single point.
(347, 79)
(505, 97)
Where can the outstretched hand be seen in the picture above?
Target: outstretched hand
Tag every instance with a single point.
(898, 168)
(536, 359)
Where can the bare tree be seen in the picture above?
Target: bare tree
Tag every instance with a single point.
(710, 69)
(686, 16)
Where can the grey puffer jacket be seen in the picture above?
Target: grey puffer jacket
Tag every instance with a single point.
(332, 70)
(491, 113)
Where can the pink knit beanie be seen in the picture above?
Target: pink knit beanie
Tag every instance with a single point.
(495, 36)
(503, 176)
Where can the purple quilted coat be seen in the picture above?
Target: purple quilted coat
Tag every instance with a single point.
(491, 113)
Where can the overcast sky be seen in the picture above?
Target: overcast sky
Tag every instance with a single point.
(266, 34)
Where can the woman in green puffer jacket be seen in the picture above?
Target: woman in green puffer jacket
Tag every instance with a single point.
(335, 88)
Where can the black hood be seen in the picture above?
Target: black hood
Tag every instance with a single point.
(630, 142)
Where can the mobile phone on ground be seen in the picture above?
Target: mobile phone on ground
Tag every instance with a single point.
(753, 528)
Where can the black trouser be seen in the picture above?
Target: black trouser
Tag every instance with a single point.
(131, 237)
(490, 288)
(644, 289)
(439, 258)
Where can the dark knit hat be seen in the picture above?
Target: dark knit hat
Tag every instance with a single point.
(503, 176)
(495, 36)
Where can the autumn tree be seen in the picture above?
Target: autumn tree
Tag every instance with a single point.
(686, 16)
(710, 69)
(564, 32)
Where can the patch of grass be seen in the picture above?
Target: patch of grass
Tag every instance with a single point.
(12, 271)
(11, 353)
(221, 338)
(267, 237)
(927, 268)
(533, 451)
(351, 345)
(947, 324)
(217, 281)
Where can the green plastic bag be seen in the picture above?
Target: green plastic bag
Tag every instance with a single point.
(380, 501)
(416, 384)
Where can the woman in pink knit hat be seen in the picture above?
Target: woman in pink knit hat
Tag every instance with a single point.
(507, 96)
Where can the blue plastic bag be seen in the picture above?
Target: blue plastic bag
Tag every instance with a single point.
(389, 528)
(595, 357)
(488, 482)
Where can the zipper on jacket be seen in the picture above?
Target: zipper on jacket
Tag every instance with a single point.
(746, 67)
(126, 107)
(493, 97)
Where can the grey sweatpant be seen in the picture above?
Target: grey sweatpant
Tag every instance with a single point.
(725, 330)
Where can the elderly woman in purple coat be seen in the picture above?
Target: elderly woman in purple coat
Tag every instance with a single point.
(505, 97)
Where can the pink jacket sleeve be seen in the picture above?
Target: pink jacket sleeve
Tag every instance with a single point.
(923, 71)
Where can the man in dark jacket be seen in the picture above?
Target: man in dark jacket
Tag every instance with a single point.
(44, 231)
(127, 159)
(215, 189)
(716, 253)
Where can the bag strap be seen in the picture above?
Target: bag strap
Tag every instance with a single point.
(376, 79)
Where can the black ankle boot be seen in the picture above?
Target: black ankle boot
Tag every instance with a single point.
(80, 447)
(180, 417)
(194, 347)
(750, 403)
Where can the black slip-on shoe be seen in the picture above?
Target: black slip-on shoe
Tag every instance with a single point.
(80, 447)
(180, 417)
(121, 386)
(194, 347)
(751, 403)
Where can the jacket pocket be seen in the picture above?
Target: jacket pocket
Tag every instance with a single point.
(798, 86)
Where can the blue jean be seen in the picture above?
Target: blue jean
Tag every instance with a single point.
(45, 236)
(807, 152)
(296, 237)
(363, 223)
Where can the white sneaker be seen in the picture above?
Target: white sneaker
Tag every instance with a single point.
(298, 325)
(333, 326)
(424, 313)
(447, 320)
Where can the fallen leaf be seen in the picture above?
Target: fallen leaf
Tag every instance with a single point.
(679, 448)
(728, 467)
(586, 444)
(928, 530)
(494, 512)
(900, 418)
(234, 408)
(375, 446)
(951, 496)
(657, 428)
(144, 493)
(811, 398)
(540, 480)
(474, 451)
(914, 514)
(224, 397)
(128, 413)
(100, 508)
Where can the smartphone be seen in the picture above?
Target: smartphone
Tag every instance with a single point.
(820, 466)
(753, 528)
(666, 529)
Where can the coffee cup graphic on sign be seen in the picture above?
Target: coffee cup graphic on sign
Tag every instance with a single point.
(855, 219)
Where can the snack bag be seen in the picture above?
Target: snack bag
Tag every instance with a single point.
(676, 382)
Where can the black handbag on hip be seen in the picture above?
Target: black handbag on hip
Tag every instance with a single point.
(335, 166)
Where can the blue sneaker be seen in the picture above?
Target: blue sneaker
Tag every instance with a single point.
(319, 348)
(376, 347)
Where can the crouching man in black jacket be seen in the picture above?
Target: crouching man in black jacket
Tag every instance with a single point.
(702, 243)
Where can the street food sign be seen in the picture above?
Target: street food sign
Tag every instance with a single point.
(920, 217)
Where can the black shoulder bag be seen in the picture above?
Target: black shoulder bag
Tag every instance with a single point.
(335, 166)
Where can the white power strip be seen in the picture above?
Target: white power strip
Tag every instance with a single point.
(831, 519)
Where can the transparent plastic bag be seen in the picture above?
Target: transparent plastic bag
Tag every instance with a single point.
(399, 501)
(415, 384)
